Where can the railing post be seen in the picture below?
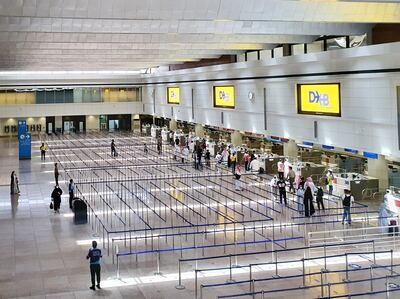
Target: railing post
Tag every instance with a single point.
(195, 283)
(373, 248)
(391, 262)
(304, 273)
(276, 266)
(250, 275)
(371, 276)
(322, 285)
(180, 286)
(230, 280)
(347, 269)
(252, 288)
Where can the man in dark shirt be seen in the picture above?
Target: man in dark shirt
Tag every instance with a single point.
(113, 151)
(282, 190)
(94, 255)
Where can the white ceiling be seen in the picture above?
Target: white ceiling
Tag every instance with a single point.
(53, 35)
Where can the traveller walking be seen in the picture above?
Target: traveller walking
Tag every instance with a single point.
(56, 198)
(309, 209)
(273, 186)
(229, 158)
(329, 181)
(347, 203)
(16, 184)
(56, 173)
(146, 150)
(291, 177)
(199, 155)
(281, 169)
(113, 150)
(300, 199)
(159, 146)
(94, 256)
(207, 158)
(238, 174)
(282, 190)
(233, 162)
(12, 183)
(43, 150)
(320, 199)
(71, 190)
(246, 158)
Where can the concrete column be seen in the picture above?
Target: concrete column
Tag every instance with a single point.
(58, 123)
(173, 125)
(236, 138)
(290, 149)
(378, 168)
(199, 130)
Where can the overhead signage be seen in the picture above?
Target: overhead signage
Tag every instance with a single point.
(173, 95)
(224, 97)
(319, 99)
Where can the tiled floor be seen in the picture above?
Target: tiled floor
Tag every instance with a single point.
(42, 254)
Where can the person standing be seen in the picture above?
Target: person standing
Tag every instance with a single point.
(246, 158)
(43, 150)
(207, 158)
(113, 150)
(308, 202)
(71, 190)
(282, 190)
(347, 202)
(233, 162)
(273, 186)
(329, 180)
(56, 197)
(281, 169)
(291, 177)
(300, 199)
(199, 156)
(12, 183)
(16, 184)
(159, 146)
(94, 256)
(238, 174)
(320, 199)
(56, 173)
(146, 150)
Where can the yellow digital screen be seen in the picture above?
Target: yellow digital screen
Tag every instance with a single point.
(224, 96)
(173, 95)
(319, 99)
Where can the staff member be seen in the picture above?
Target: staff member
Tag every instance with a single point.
(95, 256)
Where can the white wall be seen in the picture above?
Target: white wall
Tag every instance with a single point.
(92, 122)
(369, 112)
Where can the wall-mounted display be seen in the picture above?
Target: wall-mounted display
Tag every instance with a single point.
(224, 96)
(173, 95)
(319, 99)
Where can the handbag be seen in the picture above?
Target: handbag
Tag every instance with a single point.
(51, 205)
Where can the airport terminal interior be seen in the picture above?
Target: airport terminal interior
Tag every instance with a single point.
(199, 149)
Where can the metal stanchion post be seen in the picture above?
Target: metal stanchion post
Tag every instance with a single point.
(391, 262)
(322, 285)
(276, 266)
(347, 269)
(250, 275)
(387, 286)
(371, 276)
(230, 280)
(252, 288)
(195, 283)
(304, 273)
(180, 286)
(373, 248)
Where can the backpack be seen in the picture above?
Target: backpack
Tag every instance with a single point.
(347, 200)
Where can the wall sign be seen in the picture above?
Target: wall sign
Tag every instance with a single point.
(224, 96)
(173, 95)
(319, 99)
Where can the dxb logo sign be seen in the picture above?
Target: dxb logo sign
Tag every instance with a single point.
(317, 98)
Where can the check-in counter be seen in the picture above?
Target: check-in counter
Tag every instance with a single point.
(356, 183)
(309, 169)
(310, 156)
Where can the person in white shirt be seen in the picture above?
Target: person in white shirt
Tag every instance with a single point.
(255, 166)
(281, 169)
(238, 174)
(274, 188)
(347, 202)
